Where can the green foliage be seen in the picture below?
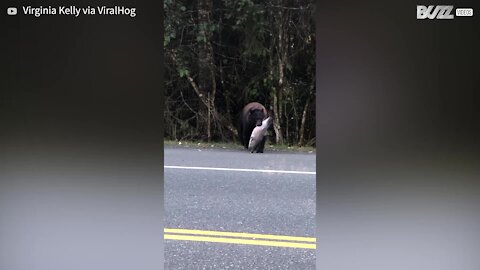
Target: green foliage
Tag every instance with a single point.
(182, 72)
(243, 36)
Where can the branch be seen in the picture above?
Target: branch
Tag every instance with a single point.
(191, 81)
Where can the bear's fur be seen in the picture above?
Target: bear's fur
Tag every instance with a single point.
(251, 116)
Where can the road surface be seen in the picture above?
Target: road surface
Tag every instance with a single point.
(230, 209)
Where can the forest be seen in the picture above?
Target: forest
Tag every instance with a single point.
(222, 54)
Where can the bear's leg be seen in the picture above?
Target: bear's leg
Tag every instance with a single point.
(247, 132)
(243, 135)
(261, 145)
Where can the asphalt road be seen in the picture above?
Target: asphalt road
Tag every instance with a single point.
(255, 202)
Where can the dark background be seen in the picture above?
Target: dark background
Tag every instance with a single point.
(81, 178)
(397, 132)
(397, 137)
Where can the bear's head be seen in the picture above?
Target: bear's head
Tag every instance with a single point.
(256, 116)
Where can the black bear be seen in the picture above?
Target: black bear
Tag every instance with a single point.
(251, 116)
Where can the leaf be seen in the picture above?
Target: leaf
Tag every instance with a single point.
(183, 72)
(201, 38)
(288, 66)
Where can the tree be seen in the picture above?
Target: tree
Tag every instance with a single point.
(223, 54)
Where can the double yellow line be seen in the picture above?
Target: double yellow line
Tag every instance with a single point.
(240, 238)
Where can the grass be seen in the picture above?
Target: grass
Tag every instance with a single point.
(237, 146)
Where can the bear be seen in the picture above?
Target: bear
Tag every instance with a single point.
(258, 135)
(251, 116)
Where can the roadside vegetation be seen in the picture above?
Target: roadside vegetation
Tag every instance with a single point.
(270, 147)
(221, 55)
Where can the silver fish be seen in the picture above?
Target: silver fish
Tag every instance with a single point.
(258, 134)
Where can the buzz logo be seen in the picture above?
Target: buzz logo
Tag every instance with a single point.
(434, 12)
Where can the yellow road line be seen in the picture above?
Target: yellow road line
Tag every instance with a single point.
(239, 241)
(243, 235)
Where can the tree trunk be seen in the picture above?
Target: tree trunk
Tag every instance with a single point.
(301, 141)
(205, 61)
(281, 61)
(276, 120)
